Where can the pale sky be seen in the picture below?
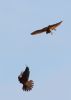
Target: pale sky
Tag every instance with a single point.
(48, 56)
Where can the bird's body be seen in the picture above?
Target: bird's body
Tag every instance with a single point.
(47, 29)
(24, 79)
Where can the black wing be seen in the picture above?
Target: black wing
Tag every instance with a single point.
(24, 76)
(37, 31)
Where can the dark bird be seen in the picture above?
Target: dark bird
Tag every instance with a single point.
(24, 79)
(47, 29)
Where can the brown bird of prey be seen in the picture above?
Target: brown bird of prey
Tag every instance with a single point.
(47, 29)
(24, 79)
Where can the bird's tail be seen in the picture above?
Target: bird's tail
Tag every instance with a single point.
(29, 85)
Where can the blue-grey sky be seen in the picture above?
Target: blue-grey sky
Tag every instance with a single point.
(48, 56)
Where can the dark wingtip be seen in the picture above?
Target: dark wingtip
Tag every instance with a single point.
(61, 21)
(27, 67)
(32, 33)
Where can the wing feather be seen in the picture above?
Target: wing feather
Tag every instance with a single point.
(37, 32)
(54, 26)
(24, 76)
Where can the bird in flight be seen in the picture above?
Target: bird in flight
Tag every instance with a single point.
(47, 29)
(24, 79)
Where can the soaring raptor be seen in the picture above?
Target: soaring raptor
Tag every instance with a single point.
(24, 79)
(47, 29)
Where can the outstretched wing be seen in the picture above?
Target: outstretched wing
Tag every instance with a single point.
(24, 76)
(54, 26)
(37, 31)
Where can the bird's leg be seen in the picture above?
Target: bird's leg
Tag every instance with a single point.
(51, 33)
